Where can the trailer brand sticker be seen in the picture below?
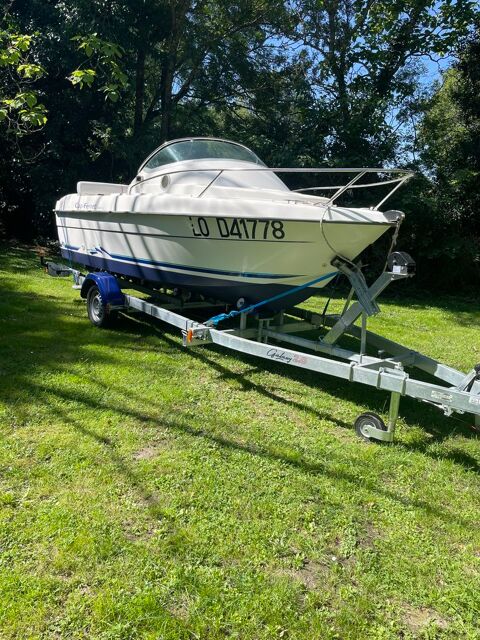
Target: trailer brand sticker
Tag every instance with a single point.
(281, 356)
(237, 228)
(474, 400)
(440, 395)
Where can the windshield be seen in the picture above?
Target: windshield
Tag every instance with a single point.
(200, 149)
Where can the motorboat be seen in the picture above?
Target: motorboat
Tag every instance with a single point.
(207, 217)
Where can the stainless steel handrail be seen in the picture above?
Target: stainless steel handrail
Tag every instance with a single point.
(355, 186)
(404, 175)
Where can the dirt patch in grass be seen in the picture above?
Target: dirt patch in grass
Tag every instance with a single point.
(135, 533)
(417, 618)
(157, 443)
(368, 536)
(181, 608)
(147, 453)
(311, 575)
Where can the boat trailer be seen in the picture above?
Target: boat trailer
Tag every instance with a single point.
(262, 335)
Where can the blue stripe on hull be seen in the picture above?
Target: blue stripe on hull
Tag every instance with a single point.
(183, 267)
(227, 290)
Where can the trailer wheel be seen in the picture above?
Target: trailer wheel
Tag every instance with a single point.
(98, 313)
(368, 419)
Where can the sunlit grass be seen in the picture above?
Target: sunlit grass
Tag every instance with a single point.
(148, 491)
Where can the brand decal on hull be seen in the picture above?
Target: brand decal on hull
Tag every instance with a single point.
(85, 206)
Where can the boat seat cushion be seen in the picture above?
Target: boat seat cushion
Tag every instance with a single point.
(100, 188)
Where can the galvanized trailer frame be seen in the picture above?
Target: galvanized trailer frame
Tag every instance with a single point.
(452, 391)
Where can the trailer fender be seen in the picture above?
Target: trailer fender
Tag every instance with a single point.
(108, 287)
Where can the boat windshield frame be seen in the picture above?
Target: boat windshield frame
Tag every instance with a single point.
(249, 155)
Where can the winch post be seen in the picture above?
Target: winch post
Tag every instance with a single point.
(348, 300)
(359, 284)
(401, 265)
(356, 309)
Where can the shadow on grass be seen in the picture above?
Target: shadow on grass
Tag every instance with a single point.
(344, 390)
(37, 326)
(463, 309)
(148, 499)
(439, 427)
(39, 335)
(301, 463)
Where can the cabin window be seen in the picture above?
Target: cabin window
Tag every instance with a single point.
(200, 150)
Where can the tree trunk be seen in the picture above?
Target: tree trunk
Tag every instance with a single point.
(166, 103)
(139, 90)
(336, 56)
(178, 11)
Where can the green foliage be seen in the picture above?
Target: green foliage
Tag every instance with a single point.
(22, 112)
(83, 77)
(107, 68)
(449, 137)
(364, 64)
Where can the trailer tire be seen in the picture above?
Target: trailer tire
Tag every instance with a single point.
(98, 313)
(371, 419)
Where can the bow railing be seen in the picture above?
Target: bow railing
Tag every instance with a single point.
(402, 175)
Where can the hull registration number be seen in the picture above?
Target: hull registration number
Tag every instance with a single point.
(237, 228)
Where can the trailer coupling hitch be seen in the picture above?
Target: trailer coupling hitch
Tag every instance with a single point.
(195, 333)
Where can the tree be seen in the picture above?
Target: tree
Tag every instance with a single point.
(154, 57)
(173, 50)
(365, 66)
(450, 135)
(20, 109)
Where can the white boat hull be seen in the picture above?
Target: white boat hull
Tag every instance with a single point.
(225, 256)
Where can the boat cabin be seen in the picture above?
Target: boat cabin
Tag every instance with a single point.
(193, 166)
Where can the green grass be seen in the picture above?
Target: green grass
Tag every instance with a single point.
(147, 491)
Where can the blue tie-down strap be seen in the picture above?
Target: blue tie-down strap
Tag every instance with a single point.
(213, 322)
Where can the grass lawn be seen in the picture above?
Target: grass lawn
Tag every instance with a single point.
(147, 491)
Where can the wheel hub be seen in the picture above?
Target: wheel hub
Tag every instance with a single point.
(97, 307)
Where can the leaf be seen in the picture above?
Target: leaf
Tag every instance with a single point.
(31, 99)
(82, 77)
(111, 92)
(21, 42)
(30, 70)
